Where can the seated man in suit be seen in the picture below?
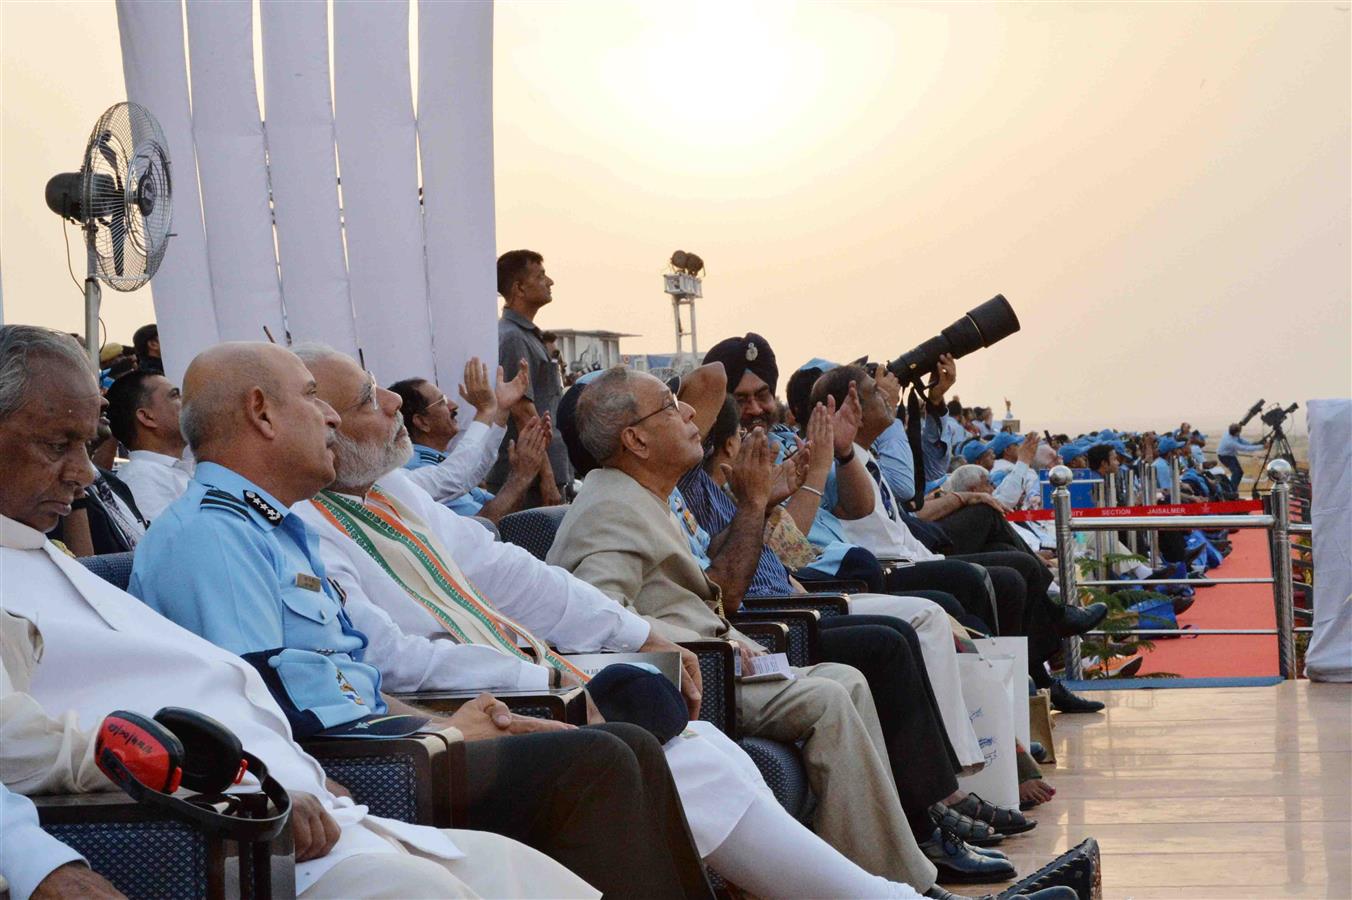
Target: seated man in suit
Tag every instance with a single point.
(444, 606)
(621, 536)
(103, 650)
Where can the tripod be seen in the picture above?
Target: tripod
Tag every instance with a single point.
(1278, 448)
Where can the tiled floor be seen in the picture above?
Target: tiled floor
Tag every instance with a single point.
(1204, 793)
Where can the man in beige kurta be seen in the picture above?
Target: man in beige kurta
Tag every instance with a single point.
(621, 535)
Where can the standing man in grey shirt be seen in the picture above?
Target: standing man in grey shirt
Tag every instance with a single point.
(522, 282)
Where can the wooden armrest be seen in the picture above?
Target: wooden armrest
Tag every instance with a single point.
(719, 706)
(437, 766)
(561, 704)
(835, 585)
(770, 634)
(828, 604)
(803, 638)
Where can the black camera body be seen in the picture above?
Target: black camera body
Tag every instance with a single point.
(988, 323)
(1276, 416)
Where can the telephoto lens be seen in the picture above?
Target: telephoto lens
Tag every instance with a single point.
(988, 323)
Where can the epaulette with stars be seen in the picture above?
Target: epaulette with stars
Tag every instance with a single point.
(218, 499)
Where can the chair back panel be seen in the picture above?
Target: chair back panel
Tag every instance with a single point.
(533, 529)
(119, 852)
(114, 568)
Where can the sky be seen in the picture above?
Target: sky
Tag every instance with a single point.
(1163, 191)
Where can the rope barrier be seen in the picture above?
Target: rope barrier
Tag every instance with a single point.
(1171, 509)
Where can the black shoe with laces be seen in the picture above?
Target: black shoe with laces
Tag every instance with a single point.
(959, 864)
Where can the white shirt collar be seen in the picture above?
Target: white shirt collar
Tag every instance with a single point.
(17, 536)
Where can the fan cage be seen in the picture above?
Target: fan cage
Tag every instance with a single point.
(126, 196)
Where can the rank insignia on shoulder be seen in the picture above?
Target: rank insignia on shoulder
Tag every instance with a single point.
(267, 509)
(308, 582)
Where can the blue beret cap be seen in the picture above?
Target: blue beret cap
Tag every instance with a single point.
(1004, 440)
(972, 450)
(1070, 451)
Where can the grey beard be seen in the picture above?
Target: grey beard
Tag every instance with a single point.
(361, 465)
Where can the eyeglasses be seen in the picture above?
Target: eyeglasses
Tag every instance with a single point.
(670, 404)
(437, 402)
(763, 397)
(368, 395)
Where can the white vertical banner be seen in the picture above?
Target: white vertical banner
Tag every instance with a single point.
(455, 127)
(232, 163)
(304, 172)
(377, 158)
(156, 72)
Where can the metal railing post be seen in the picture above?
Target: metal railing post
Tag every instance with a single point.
(1060, 477)
(1279, 470)
(1132, 544)
(1148, 490)
(1175, 481)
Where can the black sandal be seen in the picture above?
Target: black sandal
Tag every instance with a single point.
(973, 831)
(1002, 819)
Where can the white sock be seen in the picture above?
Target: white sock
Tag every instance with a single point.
(1141, 571)
(770, 854)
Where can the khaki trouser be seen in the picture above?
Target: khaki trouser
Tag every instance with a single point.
(493, 866)
(829, 708)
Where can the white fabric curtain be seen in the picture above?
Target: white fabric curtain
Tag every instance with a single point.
(304, 172)
(1329, 657)
(455, 130)
(232, 169)
(156, 68)
(378, 158)
(367, 266)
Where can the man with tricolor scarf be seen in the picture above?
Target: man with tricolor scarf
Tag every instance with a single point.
(444, 606)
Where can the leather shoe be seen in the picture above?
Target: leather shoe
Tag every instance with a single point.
(1181, 604)
(1077, 620)
(937, 893)
(1064, 701)
(957, 864)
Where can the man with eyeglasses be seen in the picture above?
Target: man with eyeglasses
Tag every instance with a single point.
(621, 536)
(452, 474)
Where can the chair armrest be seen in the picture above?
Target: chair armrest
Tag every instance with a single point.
(411, 779)
(147, 853)
(835, 585)
(771, 634)
(803, 632)
(828, 604)
(719, 704)
(561, 704)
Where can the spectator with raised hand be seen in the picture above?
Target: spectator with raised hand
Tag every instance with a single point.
(620, 536)
(432, 421)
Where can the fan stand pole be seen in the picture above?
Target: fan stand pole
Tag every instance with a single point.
(92, 297)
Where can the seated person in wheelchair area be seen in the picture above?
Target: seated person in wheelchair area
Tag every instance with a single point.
(621, 536)
(101, 650)
(411, 571)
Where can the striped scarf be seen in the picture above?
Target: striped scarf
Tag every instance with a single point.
(391, 535)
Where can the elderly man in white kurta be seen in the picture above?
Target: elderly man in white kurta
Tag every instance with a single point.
(412, 570)
(104, 650)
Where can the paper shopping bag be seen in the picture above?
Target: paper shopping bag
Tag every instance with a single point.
(985, 690)
(1016, 647)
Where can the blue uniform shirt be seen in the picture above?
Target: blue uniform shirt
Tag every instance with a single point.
(424, 456)
(232, 564)
(1164, 473)
(467, 504)
(697, 537)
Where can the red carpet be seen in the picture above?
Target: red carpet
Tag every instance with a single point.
(1226, 606)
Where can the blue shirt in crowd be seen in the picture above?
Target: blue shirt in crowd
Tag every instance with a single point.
(234, 565)
(893, 452)
(1233, 445)
(468, 503)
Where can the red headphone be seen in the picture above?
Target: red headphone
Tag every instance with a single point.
(150, 759)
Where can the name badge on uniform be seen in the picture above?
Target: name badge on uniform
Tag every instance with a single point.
(308, 582)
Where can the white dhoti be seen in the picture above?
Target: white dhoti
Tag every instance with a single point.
(932, 626)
